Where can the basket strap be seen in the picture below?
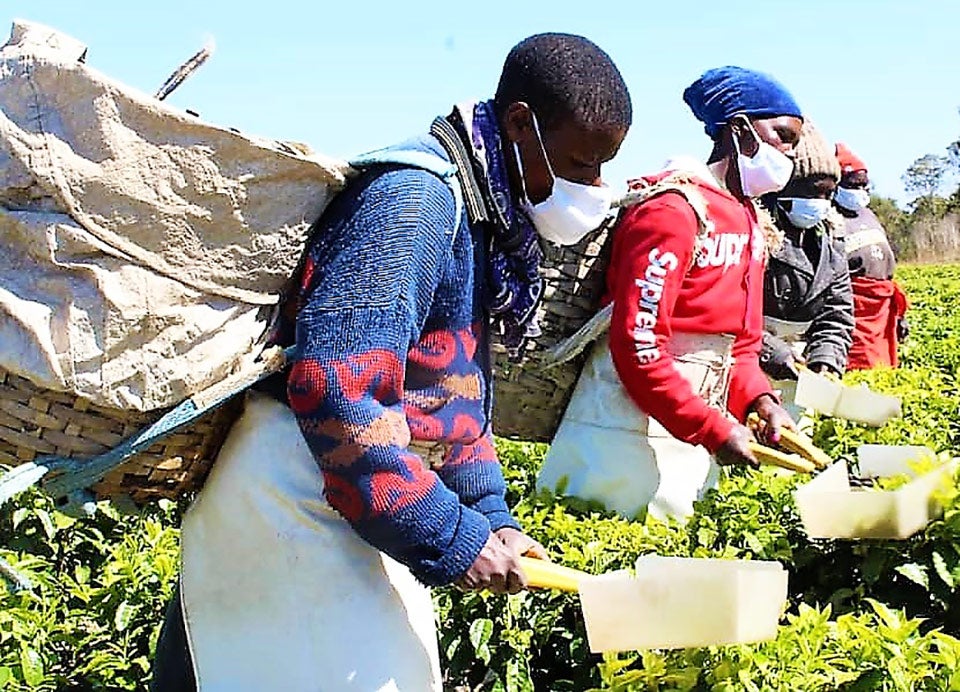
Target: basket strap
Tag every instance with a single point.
(62, 476)
(450, 140)
(574, 345)
(448, 172)
(17, 580)
(597, 326)
(683, 185)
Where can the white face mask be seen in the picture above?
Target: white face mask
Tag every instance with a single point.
(571, 210)
(768, 170)
(852, 200)
(805, 212)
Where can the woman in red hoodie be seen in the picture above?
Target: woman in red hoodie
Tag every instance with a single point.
(663, 399)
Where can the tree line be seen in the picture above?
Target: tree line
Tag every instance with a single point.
(929, 228)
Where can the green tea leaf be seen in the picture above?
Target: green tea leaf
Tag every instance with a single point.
(47, 523)
(915, 573)
(124, 614)
(868, 681)
(18, 516)
(480, 631)
(32, 666)
(940, 566)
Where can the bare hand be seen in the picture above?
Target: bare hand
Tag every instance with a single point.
(497, 568)
(521, 543)
(824, 369)
(773, 417)
(736, 449)
(903, 329)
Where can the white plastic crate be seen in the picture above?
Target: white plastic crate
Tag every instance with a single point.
(676, 602)
(833, 398)
(831, 508)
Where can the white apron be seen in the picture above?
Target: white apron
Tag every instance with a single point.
(280, 593)
(609, 451)
(792, 333)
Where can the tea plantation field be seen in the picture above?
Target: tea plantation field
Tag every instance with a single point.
(863, 615)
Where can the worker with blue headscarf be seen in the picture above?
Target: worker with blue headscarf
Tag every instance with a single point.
(664, 398)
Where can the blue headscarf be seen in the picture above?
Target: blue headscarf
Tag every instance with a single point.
(724, 92)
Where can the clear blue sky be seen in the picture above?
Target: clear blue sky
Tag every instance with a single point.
(350, 75)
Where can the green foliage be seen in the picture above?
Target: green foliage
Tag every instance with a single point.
(99, 589)
(752, 516)
(926, 175)
(863, 615)
(896, 223)
(877, 649)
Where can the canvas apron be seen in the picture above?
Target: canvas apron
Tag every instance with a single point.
(609, 451)
(792, 333)
(279, 592)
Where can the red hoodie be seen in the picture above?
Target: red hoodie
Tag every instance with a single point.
(655, 294)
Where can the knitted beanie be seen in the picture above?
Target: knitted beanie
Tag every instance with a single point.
(849, 162)
(815, 155)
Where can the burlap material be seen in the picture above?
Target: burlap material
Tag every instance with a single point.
(143, 249)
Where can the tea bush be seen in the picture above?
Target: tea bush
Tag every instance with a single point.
(91, 615)
(863, 615)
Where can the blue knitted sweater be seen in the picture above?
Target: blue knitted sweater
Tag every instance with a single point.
(393, 346)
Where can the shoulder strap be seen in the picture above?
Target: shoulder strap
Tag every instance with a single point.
(445, 170)
(597, 326)
(451, 142)
(457, 173)
(683, 185)
(405, 157)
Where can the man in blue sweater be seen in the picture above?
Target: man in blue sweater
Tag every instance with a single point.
(307, 557)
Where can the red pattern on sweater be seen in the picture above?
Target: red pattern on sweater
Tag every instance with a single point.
(436, 350)
(390, 492)
(655, 295)
(379, 371)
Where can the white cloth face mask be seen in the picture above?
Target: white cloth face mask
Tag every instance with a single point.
(805, 212)
(852, 199)
(768, 170)
(571, 210)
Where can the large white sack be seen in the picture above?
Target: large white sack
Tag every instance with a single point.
(143, 250)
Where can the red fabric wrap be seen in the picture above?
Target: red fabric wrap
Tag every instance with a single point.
(877, 304)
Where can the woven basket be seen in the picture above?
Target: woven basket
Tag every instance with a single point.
(36, 422)
(529, 401)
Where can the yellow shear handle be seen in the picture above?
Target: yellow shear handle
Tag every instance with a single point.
(550, 575)
(799, 443)
(803, 445)
(774, 457)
